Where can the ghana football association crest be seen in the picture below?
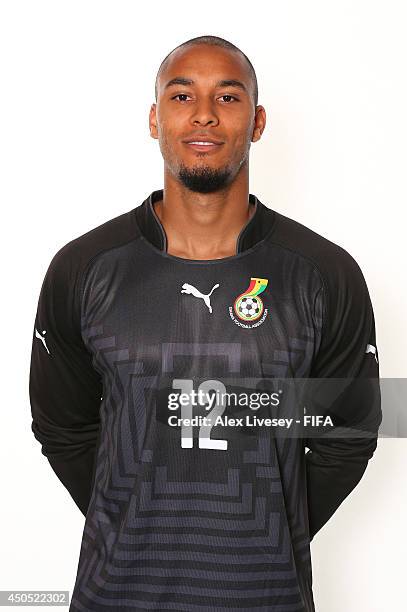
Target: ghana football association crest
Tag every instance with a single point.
(248, 309)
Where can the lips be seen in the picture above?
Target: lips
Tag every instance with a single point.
(204, 148)
(203, 144)
(202, 140)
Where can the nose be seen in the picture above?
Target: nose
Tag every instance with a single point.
(204, 113)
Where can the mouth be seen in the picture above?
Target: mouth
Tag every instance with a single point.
(206, 146)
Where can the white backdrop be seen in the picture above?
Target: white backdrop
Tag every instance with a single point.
(77, 81)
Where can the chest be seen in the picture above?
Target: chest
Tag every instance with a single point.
(251, 318)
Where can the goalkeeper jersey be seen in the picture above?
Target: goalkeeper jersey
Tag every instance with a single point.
(157, 394)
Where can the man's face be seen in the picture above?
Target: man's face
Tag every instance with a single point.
(203, 109)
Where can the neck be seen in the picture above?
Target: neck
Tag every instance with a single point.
(203, 226)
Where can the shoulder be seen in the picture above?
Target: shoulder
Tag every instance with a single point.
(343, 294)
(73, 257)
(337, 268)
(59, 301)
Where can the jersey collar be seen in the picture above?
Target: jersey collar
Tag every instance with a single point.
(255, 229)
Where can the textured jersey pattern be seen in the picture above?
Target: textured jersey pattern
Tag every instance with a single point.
(176, 524)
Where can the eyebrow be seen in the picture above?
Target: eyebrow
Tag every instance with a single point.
(222, 83)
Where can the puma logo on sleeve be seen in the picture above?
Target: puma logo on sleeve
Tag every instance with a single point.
(372, 349)
(38, 335)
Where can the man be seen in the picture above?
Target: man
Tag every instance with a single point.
(193, 502)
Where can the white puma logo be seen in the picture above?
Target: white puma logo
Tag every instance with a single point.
(189, 289)
(38, 335)
(371, 349)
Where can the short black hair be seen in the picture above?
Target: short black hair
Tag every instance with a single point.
(215, 41)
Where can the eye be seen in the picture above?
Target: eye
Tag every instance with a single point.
(178, 95)
(228, 96)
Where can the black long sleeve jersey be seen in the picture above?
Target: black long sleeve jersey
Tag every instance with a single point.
(189, 506)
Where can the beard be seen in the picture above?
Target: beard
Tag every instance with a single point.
(204, 179)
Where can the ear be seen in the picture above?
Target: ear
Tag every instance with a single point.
(153, 121)
(259, 123)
